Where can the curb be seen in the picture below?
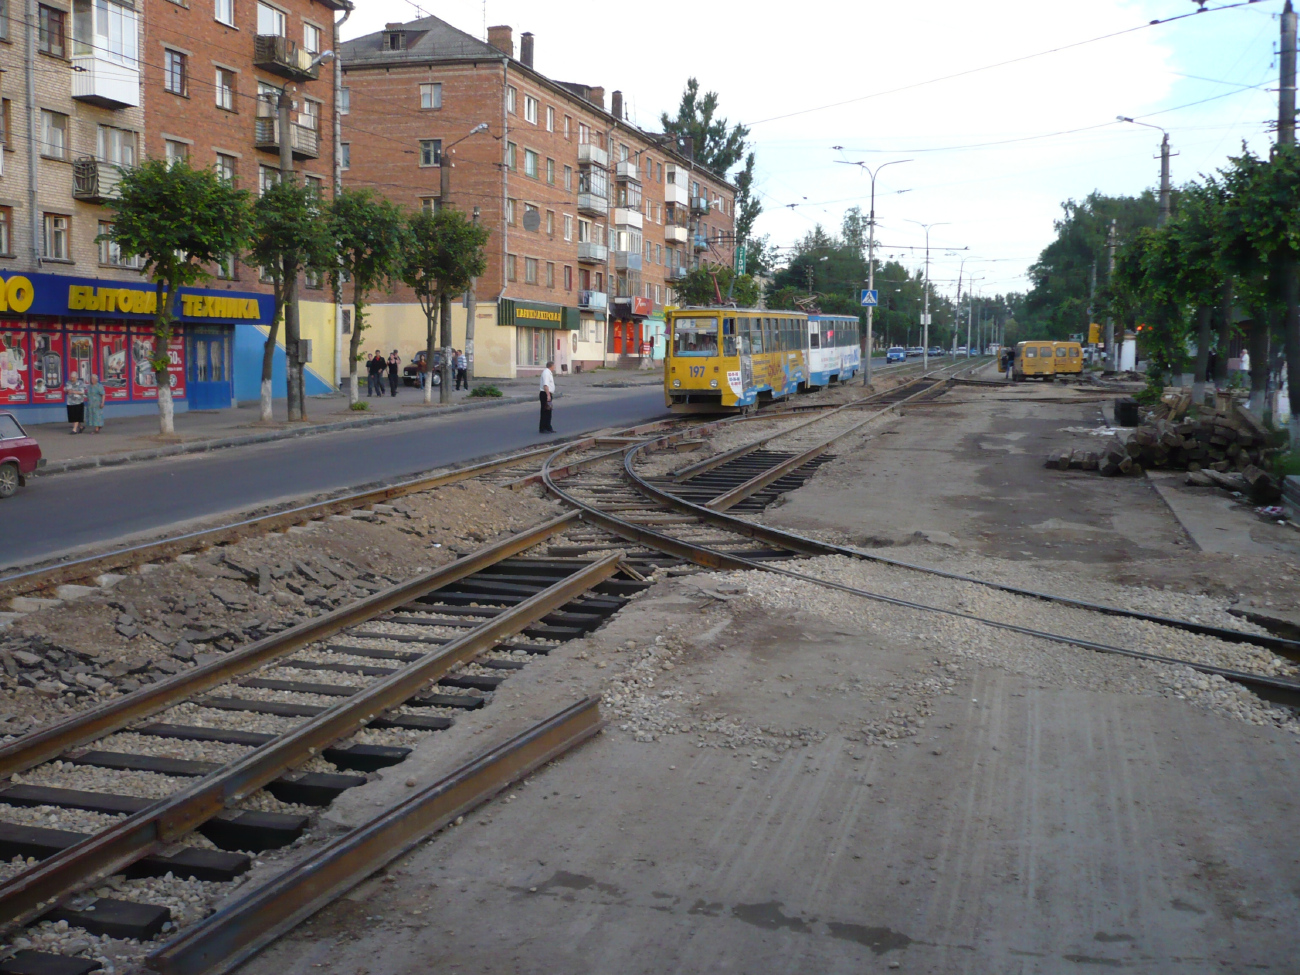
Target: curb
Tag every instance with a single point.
(244, 440)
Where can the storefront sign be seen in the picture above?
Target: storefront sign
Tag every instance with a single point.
(144, 381)
(536, 314)
(47, 366)
(58, 294)
(15, 351)
(112, 362)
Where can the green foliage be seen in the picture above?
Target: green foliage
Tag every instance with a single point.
(1286, 465)
(180, 221)
(288, 224)
(371, 235)
(717, 146)
(748, 205)
(360, 406)
(443, 255)
(697, 288)
(485, 391)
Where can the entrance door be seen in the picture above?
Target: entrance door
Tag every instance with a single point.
(209, 377)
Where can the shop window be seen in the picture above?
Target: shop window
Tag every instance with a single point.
(431, 95)
(6, 231)
(52, 37)
(55, 241)
(175, 75)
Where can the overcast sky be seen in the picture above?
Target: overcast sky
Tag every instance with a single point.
(1210, 79)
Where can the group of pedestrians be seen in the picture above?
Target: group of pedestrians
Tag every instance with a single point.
(377, 367)
(85, 404)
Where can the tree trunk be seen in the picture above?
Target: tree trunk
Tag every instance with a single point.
(1204, 319)
(292, 365)
(268, 358)
(431, 346)
(1226, 301)
(444, 310)
(354, 349)
(1291, 344)
(166, 408)
(1258, 343)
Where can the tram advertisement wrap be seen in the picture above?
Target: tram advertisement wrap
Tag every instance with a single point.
(143, 379)
(15, 357)
(769, 370)
(47, 367)
(113, 362)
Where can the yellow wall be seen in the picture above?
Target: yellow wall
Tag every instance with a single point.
(403, 327)
(316, 322)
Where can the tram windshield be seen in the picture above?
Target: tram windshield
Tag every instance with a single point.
(695, 336)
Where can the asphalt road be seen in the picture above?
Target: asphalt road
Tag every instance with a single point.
(54, 515)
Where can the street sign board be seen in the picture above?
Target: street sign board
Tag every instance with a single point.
(740, 259)
(870, 297)
(925, 319)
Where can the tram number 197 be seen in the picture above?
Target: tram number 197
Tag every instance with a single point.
(697, 371)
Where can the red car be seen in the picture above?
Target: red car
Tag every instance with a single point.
(19, 455)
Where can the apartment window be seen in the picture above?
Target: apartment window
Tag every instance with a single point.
(568, 227)
(345, 155)
(623, 152)
(108, 30)
(4, 122)
(54, 134)
(659, 253)
(270, 20)
(511, 95)
(228, 268)
(174, 72)
(175, 150)
(430, 152)
(226, 89)
(345, 101)
(4, 20)
(429, 204)
(510, 212)
(55, 245)
(512, 268)
(659, 172)
(530, 163)
(529, 208)
(110, 252)
(568, 127)
(568, 178)
(267, 176)
(550, 222)
(431, 95)
(347, 321)
(225, 12)
(512, 156)
(550, 171)
(584, 134)
(52, 37)
(309, 117)
(6, 231)
(311, 38)
(116, 146)
(530, 270)
(313, 279)
(317, 187)
(550, 119)
(568, 278)
(584, 231)
(550, 275)
(530, 109)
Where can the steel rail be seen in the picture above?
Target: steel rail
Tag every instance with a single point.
(31, 893)
(242, 928)
(53, 740)
(712, 558)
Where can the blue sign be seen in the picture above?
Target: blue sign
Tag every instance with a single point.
(870, 298)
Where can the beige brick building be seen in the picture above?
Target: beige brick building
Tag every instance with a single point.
(592, 219)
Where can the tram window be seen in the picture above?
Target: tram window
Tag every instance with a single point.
(756, 335)
(813, 340)
(695, 336)
(729, 336)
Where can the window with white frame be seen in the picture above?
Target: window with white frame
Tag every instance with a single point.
(530, 109)
(225, 89)
(510, 212)
(174, 72)
(228, 268)
(311, 38)
(429, 204)
(110, 252)
(267, 176)
(550, 119)
(271, 20)
(568, 226)
(530, 163)
(309, 117)
(568, 178)
(54, 134)
(345, 155)
(226, 167)
(106, 29)
(345, 101)
(550, 171)
(584, 231)
(174, 150)
(225, 12)
(550, 222)
(115, 146)
(431, 95)
(512, 95)
(530, 270)
(55, 242)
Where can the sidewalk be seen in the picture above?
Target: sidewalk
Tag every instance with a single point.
(135, 438)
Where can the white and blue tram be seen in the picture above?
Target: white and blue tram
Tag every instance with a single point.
(834, 354)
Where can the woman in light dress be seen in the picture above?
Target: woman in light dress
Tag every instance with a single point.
(95, 405)
(76, 400)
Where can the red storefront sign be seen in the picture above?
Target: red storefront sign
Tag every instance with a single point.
(642, 307)
(113, 364)
(15, 364)
(47, 367)
(143, 378)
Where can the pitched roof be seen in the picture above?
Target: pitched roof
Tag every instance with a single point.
(426, 38)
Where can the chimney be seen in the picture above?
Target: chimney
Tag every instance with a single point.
(597, 97)
(526, 49)
(503, 39)
(616, 104)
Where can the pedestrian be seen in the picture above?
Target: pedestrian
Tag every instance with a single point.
(546, 394)
(95, 405)
(373, 380)
(462, 369)
(76, 400)
(394, 371)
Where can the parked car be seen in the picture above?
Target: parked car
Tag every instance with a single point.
(19, 455)
(411, 374)
(936, 351)
(896, 354)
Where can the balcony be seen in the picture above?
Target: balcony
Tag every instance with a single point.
(94, 181)
(676, 234)
(305, 144)
(592, 253)
(589, 155)
(627, 170)
(676, 193)
(105, 83)
(676, 273)
(701, 242)
(700, 204)
(626, 217)
(593, 300)
(593, 203)
(284, 57)
(627, 260)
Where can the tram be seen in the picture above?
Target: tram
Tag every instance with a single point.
(730, 360)
(833, 351)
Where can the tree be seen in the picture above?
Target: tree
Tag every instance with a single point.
(444, 255)
(716, 146)
(180, 221)
(704, 285)
(748, 206)
(288, 233)
(370, 235)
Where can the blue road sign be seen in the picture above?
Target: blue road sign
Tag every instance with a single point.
(870, 298)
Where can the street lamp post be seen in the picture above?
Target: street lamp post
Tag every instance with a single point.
(925, 315)
(444, 312)
(1163, 218)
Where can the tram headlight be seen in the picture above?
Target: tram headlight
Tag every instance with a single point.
(713, 384)
(677, 384)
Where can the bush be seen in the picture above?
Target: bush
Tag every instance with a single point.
(1287, 465)
(360, 406)
(485, 391)
(1150, 396)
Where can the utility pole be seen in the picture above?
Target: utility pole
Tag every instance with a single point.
(292, 360)
(471, 313)
(1286, 90)
(925, 315)
(1112, 353)
(1291, 273)
(348, 7)
(1164, 181)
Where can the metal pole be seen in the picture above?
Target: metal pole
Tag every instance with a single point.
(1286, 90)
(1112, 353)
(925, 315)
(471, 314)
(871, 283)
(1164, 172)
(292, 366)
(338, 188)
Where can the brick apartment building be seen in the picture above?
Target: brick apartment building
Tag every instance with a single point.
(91, 88)
(592, 219)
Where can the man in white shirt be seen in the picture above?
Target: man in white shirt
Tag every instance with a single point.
(546, 393)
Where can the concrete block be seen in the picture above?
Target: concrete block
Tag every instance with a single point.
(7, 618)
(108, 580)
(148, 567)
(70, 592)
(32, 604)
